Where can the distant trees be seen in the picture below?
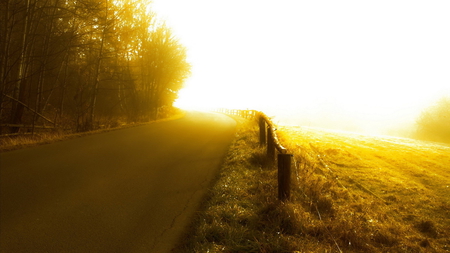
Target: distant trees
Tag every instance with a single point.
(434, 123)
(72, 63)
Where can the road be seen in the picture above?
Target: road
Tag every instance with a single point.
(129, 190)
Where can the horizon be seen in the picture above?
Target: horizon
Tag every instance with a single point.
(369, 67)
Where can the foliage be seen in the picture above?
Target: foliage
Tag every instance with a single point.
(75, 62)
(434, 123)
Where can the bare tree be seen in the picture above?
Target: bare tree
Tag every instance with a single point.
(75, 62)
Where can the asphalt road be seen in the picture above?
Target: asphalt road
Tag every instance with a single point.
(130, 190)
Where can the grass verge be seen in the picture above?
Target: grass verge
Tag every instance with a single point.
(242, 213)
(9, 143)
(349, 194)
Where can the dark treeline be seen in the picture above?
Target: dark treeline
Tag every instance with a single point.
(74, 64)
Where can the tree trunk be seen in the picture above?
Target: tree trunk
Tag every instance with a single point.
(4, 45)
(19, 91)
(97, 70)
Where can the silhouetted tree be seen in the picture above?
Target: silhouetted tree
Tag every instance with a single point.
(434, 122)
(75, 62)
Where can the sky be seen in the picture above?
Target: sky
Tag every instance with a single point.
(368, 66)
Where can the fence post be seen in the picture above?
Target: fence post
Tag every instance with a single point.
(270, 145)
(262, 131)
(284, 177)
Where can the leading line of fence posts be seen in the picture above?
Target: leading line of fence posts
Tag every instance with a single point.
(268, 136)
(284, 177)
(270, 146)
(284, 160)
(262, 131)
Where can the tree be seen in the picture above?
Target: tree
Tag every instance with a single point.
(434, 122)
(163, 67)
(33, 48)
(80, 61)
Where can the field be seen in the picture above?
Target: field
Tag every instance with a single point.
(395, 190)
(350, 193)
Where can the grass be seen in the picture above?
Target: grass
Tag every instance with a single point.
(393, 193)
(9, 143)
(350, 193)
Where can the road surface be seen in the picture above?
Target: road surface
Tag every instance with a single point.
(130, 190)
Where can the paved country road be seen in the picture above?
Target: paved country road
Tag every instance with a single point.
(130, 190)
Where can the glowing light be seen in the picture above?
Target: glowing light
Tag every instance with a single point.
(369, 61)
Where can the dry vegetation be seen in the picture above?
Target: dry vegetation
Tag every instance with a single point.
(13, 142)
(381, 193)
(351, 193)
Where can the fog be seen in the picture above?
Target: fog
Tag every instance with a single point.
(370, 67)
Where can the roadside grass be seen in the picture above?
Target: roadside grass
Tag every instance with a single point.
(9, 143)
(350, 193)
(242, 212)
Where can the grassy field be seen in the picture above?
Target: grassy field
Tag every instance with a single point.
(381, 193)
(351, 193)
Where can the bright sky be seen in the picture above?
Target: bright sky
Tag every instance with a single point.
(370, 63)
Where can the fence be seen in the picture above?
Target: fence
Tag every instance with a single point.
(248, 114)
(268, 138)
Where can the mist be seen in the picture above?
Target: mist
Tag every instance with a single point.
(330, 118)
(370, 67)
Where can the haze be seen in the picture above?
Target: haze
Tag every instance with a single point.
(368, 66)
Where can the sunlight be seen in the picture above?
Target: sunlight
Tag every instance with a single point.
(369, 62)
(190, 99)
(207, 99)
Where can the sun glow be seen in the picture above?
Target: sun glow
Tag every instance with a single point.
(352, 61)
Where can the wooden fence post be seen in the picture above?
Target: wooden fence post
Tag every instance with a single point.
(270, 145)
(284, 177)
(262, 131)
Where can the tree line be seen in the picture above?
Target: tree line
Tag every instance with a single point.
(434, 122)
(76, 63)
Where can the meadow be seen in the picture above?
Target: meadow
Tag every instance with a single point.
(350, 193)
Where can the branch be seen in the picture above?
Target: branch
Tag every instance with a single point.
(33, 111)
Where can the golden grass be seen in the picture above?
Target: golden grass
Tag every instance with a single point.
(242, 213)
(384, 193)
(9, 143)
(350, 193)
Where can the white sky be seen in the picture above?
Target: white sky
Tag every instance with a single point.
(315, 62)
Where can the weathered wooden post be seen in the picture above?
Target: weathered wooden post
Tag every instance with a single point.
(284, 177)
(262, 131)
(270, 145)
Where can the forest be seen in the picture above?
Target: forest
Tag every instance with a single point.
(82, 64)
